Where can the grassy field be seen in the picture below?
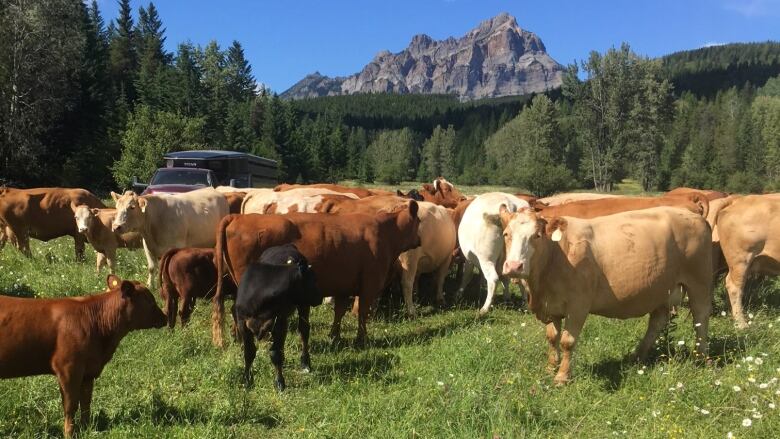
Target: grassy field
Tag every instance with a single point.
(446, 374)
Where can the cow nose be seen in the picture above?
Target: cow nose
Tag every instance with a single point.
(82, 229)
(115, 227)
(512, 267)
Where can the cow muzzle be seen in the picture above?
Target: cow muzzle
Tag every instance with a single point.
(82, 229)
(116, 227)
(513, 268)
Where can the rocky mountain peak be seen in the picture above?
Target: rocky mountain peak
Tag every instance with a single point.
(496, 58)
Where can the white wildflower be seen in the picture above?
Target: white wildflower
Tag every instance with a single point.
(705, 412)
(757, 415)
(681, 342)
(679, 385)
(723, 313)
(752, 380)
(759, 361)
(772, 405)
(748, 359)
(640, 372)
(747, 422)
(717, 382)
(737, 388)
(763, 386)
(750, 315)
(439, 383)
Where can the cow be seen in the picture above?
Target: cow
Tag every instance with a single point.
(413, 194)
(696, 203)
(294, 200)
(434, 255)
(166, 221)
(95, 225)
(481, 243)
(564, 198)
(746, 228)
(187, 274)
(235, 200)
(72, 338)
(620, 266)
(441, 192)
(716, 205)
(351, 254)
(360, 192)
(708, 193)
(369, 205)
(44, 214)
(280, 282)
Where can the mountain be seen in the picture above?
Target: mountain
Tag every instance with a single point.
(497, 58)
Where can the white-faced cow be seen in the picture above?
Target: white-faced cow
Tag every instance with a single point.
(189, 219)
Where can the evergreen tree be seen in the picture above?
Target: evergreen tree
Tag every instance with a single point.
(154, 80)
(240, 83)
(215, 88)
(122, 53)
(437, 154)
(188, 94)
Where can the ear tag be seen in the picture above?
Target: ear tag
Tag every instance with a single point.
(557, 235)
(114, 283)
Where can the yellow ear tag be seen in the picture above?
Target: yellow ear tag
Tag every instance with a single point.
(114, 283)
(557, 235)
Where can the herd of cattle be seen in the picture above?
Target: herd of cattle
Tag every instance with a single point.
(279, 250)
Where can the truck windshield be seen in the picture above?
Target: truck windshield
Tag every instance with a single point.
(180, 176)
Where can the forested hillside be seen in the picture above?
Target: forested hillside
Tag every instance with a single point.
(94, 102)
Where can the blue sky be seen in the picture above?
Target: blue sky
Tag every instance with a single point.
(285, 40)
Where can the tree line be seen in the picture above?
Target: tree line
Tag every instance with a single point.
(89, 104)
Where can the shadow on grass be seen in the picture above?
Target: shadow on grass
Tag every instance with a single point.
(19, 291)
(376, 366)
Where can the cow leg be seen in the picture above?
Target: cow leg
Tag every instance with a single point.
(250, 351)
(441, 276)
(111, 258)
(303, 330)
(23, 241)
(408, 277)
(70, 390)
(340, 304)
(99, 261)
(187, 306)
(657, 322)
(85, 402)
(735, 285)
(78, 241)
(700, 299)
(507, 293)
(171, 304)
(468, 273)
(279, 333)
(151, 265)
(571, 330)
(553, 334)
(491, 276)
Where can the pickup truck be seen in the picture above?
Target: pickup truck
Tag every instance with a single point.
(185, 171)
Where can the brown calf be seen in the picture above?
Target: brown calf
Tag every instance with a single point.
(187, 274)
(72, 338)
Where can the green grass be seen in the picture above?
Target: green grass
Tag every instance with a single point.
(446, 374)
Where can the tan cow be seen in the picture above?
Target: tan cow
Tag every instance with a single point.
(621, 266)
(295, 200)
(188, 219)
(95, 225)
(437, 236)
(708, 193)
(748, 238)
(44, 214)
(361, 192)
(716, 205)
(555, 200)
(696, 203)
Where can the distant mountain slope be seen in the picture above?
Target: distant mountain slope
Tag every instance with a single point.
(709, 69)
(495, 59)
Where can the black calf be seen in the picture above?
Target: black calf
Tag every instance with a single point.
(270, 290)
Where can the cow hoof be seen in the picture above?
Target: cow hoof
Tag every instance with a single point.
(482, 312)
(306, 369)
(741, 325)
(560, 380)
(280, 386)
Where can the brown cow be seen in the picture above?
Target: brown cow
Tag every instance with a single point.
(72, 338)
(95, 224)
(187, 274)
(601, 207)
(620, 266)
(361, 192)
(747, 230)
(234, 199)
(709, 194)
(44, 214)
(369, 205)
(441, 192)
(351, 254)
(569, 197)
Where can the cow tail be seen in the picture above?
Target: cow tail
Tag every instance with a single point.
(168, 290)
(218, 303)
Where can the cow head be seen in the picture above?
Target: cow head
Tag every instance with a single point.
(521, 231)
(413, 194)
(84, 217)
(130, 209)
(138, 304)
(442, 192)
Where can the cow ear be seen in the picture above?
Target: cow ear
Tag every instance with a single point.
(142, 204)
(504, 215)
(399, 193)
(113, 282)
(115, 196)
(428, 187)
(127, 289)
(414, 208)
(94, 211)
(541, 225)
(556, 228)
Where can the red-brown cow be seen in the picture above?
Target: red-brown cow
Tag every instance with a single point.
(235, 199)
(187, 274)
(441, 192)
(351, 254)
(44, 214)
(72, 338)
(708, 193)
(587, 209)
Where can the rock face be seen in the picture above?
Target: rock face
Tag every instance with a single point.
(495, 59)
